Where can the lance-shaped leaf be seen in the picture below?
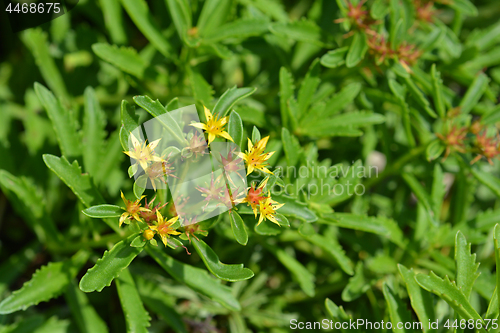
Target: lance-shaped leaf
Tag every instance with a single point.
(216, 267)
(229, 98)
(48, 282)
(241, 28)
(308, 88)
(291, 146)
(86, 317)
(334, 58)
(487, 179)
(112, 263)
(180, 11)
(156, 109)
(474, 93)
(140, 14)
(136, 316)
(286, 93)
(303, 30)
(377, 225)
(238, 227)
(103, 211)
(63, 123)
(129, 120)
(195, 278)
(437, 91)
(299, 272)
(450, 293)
(235, 128)
(213, 14)
(434, 149)
(422, 195)
(438, 191)
(397, 309)
(125, 58)
(465, 264)
(419, 97)
(113, 19)
(357, 50)
(94, 133)
(294, 208)
(421, 300)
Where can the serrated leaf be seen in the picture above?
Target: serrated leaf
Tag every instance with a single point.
(357, 285)
(125, 58)
(223, 271)
(449, 292)
(136, 316)
(235, 129)
(421, 300)
(238, 227)
(299, 272)
(377, 225)
(303, 30)
(466, 265)
(334, 58)
(107, 268)
(195, 278)
(103, 211)
(286, 93)
(397, 309)
(357, 50)
(48, 282)
(64, 125)
(229, 98)
(308, 88)
(333, 248)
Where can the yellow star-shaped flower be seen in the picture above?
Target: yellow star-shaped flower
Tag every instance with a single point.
(214, 126)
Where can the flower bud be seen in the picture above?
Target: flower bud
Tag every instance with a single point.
(148, 234)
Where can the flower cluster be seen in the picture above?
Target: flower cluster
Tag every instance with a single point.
(153, 220)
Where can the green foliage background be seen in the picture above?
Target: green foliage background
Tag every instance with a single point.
(327, 95)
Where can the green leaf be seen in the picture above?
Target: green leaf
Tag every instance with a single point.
(449, 292)
(341, 125)
(267, 228)
(238, 29)
(295, 208)
(36, 40)
(48, 282)
(434, 149)
(466, 265)
(464, 6)
(223, 271)
(113, 19)
(334, 58)
(308, 88)
(94, 133)
(136, 316)
(63, 123)
(235, 129)
(180, 12)
(201, 89)
(357, 285)
(379, 9)
(337, 103)
(333, 248)
(437, 91)
(299, 272)
(397, 309)
(229, 98)
(357, 50)
(16, 264)
(419, 97)
(238, 227)
(421, 300)
(103, 211)
(140, 14)
(496, 241)
(130, 122)
(438, 191)
(23, 194)
(286, 93)
(195, 278)
(303, 30)
(107, 268)
(213, 14)
(255, 134)
(421, 194)
(291, 146)
(377, 225)
(474, 93)
(86, 317)
(156, 109)
(125, 58)
(487, 179)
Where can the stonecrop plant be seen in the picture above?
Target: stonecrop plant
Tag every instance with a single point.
(252, 166)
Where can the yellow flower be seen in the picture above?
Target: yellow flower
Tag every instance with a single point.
(214, 126)
(255, 196)
(268, 210)
(132, 209)
(164, 228)
(143, 153)
(255, 158)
